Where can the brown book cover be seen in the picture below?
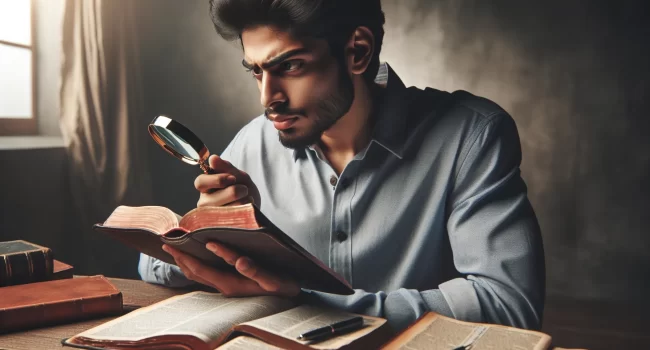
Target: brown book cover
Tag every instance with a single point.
(62, 270)
(434, 331)
(243, 228)
(24, 262)
(204, 321)
(45, 303)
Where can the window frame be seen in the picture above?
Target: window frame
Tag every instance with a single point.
(24, 126)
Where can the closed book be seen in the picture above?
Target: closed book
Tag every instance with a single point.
(243, 228)
(60, 301)
(24, 262)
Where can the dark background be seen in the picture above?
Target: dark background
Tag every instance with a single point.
(573, 74)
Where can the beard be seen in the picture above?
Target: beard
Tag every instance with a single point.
(327, 112)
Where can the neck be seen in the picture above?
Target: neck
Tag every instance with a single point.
(352, 132)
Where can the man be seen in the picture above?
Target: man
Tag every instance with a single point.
(413, 196)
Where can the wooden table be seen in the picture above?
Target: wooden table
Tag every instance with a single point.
(572, 324)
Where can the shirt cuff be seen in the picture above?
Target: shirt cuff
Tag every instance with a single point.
(462, 299)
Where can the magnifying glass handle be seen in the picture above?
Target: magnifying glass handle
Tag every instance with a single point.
(206, 168)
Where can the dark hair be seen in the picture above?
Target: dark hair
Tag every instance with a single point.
(332, 20)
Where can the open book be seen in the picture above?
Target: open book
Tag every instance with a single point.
(205, 321)
(243, 228)
(436, 332)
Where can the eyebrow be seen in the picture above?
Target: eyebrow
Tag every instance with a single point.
(277, 59)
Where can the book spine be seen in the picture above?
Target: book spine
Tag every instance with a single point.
(60, 312)
(26, 267)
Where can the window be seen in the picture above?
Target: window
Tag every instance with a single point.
(17, 68)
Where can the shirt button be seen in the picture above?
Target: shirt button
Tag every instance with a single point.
(341, 236)
(333, 180)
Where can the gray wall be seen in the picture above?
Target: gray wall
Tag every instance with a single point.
(574, 75)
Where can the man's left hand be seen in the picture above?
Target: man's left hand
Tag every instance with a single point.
(249, 280)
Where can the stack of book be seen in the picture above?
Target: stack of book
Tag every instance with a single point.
(38, 290)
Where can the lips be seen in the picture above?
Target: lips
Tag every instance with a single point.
(283, 122)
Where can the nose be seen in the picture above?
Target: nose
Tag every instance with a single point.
(271, 91)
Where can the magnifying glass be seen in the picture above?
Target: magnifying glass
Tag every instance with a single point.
(180, 142)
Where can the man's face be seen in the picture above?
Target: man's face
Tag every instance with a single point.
(302, 86)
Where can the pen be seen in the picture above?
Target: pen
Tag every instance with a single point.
(333, 329)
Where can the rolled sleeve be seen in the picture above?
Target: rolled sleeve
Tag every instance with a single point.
(462, 299)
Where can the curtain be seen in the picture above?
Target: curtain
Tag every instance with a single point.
(103, 127)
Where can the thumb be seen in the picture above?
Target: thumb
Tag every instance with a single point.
(220, 165)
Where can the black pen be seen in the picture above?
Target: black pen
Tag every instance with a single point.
(333, 329)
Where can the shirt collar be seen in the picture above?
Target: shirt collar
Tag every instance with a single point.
(390, 123)
(390, 127)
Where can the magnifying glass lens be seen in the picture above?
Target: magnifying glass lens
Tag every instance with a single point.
(180, 142)
(177, 143)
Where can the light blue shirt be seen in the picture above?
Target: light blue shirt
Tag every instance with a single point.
(431, 216)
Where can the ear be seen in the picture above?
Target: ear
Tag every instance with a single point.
(359, 50)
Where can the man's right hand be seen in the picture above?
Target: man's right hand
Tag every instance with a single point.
(228, 186)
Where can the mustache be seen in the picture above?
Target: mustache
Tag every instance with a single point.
(282, 109)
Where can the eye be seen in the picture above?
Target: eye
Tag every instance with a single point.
(256, 71)
(290, 66)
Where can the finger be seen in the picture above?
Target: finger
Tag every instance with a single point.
(223, 196)
(220, 165)
(228, 255)
(230, 284)
(267, 281)
(177, 255)
(187, 272)
(242, 201)
(204, 182)
(190, 273)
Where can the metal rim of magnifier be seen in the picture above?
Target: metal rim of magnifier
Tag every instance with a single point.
(184, 133)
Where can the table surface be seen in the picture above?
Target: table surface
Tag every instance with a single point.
(571, 324)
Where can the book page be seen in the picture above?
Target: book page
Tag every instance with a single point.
(150, 218)
(236, 216)
(247, 343)
(504, 338)
(291, 323)
(206, 316)
(443, 333)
